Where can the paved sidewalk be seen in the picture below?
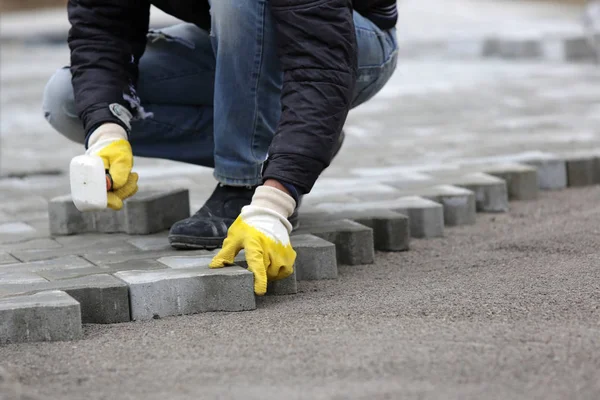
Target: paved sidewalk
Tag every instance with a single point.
(509, 292)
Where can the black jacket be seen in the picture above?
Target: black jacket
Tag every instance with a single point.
(107, 38)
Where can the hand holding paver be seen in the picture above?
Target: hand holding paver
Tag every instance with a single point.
(110, 142)
(262, 230)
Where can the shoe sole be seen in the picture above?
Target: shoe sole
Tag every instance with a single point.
(195, 243)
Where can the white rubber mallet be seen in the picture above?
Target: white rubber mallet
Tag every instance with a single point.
(90, 183)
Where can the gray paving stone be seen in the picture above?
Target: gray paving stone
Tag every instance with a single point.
(521, 180)
(66, 219)
(156, 294)
(153, 212)
(142, 214)
(151, 242)
(104, 299)
(131, 265)
(37, 244)
(283, 286)
(199, 260)
(315, 258)
(353, 241)
(109, 221)
(578, 49)
(459, 203)
(391, 230)
(108, 248)
(551, 171)
(20, 278)
(123, 255)
(6, 258)
(426, 217)
(67, 262)
(47, 316)
(491, 194)
(512, 48)
(582, 170)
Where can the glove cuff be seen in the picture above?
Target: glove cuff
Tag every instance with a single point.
(274, 199)
(108, 132)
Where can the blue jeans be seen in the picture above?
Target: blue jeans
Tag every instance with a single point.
(215, 97)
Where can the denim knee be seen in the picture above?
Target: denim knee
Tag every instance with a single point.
(59, 106)
(229, 19)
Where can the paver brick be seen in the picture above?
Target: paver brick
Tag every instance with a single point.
(65, 219)
(391, 230)
(458, 203)
(68, 262)
(104, 299)
(551, 171)
(353, 241)
(582, 170)
(315, 258)
(153, 212)
(155, 294)
(521, 180)
(122, 255)
(283, 286)
(107, 247)
(512, 48)
(47, 316)
(491, 194)
(142, 214)
(37, 244)
(426, 217)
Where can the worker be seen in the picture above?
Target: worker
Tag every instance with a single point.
(258, 90)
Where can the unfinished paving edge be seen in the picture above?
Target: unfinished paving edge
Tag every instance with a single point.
(41, 317)
(162, 293)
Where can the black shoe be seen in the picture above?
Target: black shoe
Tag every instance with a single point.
(208, 227)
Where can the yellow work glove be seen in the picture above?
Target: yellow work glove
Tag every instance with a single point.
(262, 230)
(110, 142)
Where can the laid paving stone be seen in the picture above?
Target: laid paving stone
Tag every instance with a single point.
(104, 299)
(353, 241)
(65, 219)
(108, 248)
(315, 258)
(582, 170)
(157, 294)
(131, 265)
(578, 49)
(154, 242)
(153, 212)
(391, 230)
(283, 287)
(20, 278)
(459, 203)
(145, 213)
(491, 194)
(6, 258)
(512, 48)
(201, 259)
(426, 217)
(41, 317)
(67, 262)
(37, 244)
(551, 171)
(521, 180)
(121, 255)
